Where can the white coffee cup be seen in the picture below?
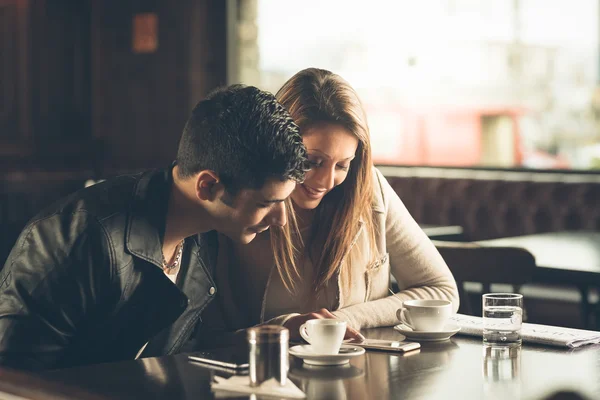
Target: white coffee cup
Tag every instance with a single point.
(324, 335)
(425, 315)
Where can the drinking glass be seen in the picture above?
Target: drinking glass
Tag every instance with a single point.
(502, 318)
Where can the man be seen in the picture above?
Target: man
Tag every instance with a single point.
(123, 268)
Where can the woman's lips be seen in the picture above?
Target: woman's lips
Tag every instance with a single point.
(313, 193)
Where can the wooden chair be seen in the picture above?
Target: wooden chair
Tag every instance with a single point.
(470, 262)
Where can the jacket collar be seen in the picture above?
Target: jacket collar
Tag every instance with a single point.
(147, 214)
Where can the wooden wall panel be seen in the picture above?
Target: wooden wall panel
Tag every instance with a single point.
(9, 113)
(14, 95)
(45, 86)
(142, 100)
(60, 72)
(75, 94)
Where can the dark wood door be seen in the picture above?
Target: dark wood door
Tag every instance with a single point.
(45, 81)
(15, 129)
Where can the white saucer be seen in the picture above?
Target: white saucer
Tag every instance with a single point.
(426, 336)
(305, 352)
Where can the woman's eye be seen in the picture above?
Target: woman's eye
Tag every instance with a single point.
(314, 163)
(343, 167)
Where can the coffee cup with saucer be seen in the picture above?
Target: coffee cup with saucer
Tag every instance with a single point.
(325, 337)
(426, 320)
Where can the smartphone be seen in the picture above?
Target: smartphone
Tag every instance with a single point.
(388, 345)
(228, 358)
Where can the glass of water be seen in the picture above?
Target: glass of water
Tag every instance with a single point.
(502, 318)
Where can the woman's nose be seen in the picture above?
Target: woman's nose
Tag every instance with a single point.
(326, 178)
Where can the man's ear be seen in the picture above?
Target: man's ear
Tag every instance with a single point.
(208, 186)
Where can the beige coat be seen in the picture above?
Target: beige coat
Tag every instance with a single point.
(404, 251)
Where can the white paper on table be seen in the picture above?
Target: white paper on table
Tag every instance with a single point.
(241, 384)
(533, 333)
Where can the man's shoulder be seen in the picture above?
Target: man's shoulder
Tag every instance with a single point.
(94, 214)
(99, 201)
(101, 208)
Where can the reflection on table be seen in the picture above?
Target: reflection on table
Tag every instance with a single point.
(502, 372)
(324, 382)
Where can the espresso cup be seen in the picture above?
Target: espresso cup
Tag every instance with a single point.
(425, 315)
(324, 335)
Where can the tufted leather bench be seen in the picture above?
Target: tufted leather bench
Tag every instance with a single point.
(492, 204)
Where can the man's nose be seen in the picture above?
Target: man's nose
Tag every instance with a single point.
(278, 215)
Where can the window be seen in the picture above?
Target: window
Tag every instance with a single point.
(493, 83)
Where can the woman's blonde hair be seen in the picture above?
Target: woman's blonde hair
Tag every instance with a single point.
(315, 96)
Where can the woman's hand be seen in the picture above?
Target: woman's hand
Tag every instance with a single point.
(294, 324)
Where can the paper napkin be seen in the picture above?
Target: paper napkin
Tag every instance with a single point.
(241, 384)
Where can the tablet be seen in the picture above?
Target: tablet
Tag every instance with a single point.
(230, 358)
(388, 345)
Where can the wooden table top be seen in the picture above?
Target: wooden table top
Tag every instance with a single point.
(574, 256)
(442, 232)
(459, 368)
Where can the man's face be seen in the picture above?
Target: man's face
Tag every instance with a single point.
(252, 211)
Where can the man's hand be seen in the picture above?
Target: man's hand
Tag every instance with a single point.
(294, 324)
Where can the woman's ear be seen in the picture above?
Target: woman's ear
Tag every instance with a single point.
(208, 186)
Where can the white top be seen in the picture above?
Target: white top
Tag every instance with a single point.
(173, 277)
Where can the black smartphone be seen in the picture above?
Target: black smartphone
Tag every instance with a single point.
(230, 358)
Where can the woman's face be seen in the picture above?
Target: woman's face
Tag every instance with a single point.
(331, 148)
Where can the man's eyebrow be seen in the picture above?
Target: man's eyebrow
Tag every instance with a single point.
(272, 200)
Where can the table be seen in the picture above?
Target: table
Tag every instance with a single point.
(20, 385)
(443, 232)
(562, 258)
(458, 368)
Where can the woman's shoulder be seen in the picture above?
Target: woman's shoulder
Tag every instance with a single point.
(381, 189)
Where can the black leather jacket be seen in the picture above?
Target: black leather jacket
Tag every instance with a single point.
(83, 284)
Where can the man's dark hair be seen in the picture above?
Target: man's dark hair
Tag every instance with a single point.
(244, 135)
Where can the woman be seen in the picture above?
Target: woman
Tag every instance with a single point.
(347, 230)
